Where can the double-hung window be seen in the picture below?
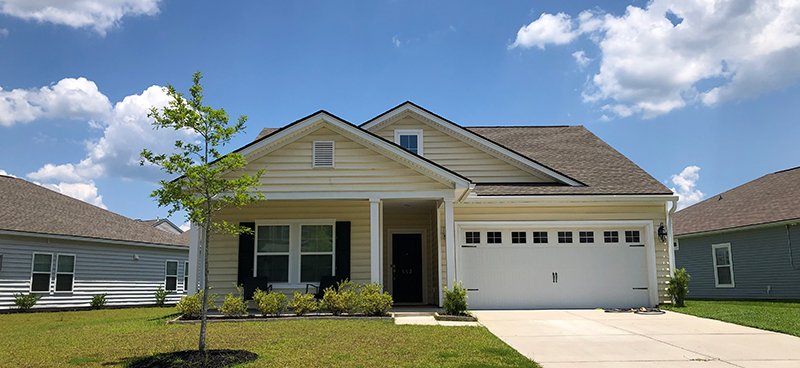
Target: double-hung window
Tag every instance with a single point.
(294, 252)
(723, 265)
(171, 276)
(410, 139)
(40, 272)
(65, 272)
(185, 276)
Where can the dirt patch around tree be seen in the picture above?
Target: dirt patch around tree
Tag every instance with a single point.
(196, 359)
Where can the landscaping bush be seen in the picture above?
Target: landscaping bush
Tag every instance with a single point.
(373, 301)
(98, 301)
(25, 302)
(234, 306)
(455, 301)
(190, 306)
(303, 303)
(161, 296)
(270, 303)
(679, 287)
(342, 298)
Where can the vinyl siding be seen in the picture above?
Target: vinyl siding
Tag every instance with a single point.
(461, 157)
(224, 249)
(655, 213)
(357, 168)
(760, 258)
(99, 268)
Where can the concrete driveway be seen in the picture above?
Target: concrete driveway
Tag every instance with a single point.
(592, 338)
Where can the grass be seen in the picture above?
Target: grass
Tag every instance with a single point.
(773, 316)
(113, 337)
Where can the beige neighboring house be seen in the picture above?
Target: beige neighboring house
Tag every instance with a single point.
(524, 216)
(66, 251)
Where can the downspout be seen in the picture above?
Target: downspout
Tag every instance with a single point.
(789, 240)
(670, 241)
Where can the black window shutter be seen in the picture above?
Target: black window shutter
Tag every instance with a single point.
(342, 249)
(246, 254)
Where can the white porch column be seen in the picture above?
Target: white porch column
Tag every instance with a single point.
(195, 262)
(375, 240)
(450, 240)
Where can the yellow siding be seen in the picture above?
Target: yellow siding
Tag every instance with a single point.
(357, 168)
(461, 157)
(573, 213)
(224, 249)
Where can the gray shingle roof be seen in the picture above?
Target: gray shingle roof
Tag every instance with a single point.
(575, 152)
(30, 208)
(771, 198)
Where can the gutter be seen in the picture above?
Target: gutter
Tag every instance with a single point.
(466, 193)
(572, 198)
(670, 241)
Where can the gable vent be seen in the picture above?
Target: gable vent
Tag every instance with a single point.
(323, 154)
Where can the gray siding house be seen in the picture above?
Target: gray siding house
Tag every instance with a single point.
(744, 243)
(66, 251)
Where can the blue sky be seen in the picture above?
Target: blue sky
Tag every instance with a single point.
(705, 95)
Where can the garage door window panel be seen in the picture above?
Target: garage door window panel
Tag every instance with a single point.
(519, 237)
(611, 236)
(586, 236)
(494, 237)
(632, 236)
(564, 237)
(723, 265)
(473, 237)
(540, 237)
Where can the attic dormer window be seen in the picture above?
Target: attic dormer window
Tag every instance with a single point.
(323, 154)
(410, 139)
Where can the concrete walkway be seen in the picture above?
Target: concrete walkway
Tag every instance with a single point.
(592, 338)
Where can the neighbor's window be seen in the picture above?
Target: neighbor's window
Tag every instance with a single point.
(565, 236)
(632, 236)
(540, 237)
(185, 277)
(494, 237)
(65, 272)
(723, 265)
(410, 139)
(295, 251)
(272, 252)
(586, 236)
(518, 237)
(40, 272)
(473, 237)
(171, 276)
(316, 252)
(611, 236)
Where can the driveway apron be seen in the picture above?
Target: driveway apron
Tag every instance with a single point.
(593, 338)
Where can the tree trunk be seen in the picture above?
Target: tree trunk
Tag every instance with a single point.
(204, 305)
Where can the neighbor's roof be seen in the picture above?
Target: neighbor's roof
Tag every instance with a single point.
(771, 198)
(30, 208)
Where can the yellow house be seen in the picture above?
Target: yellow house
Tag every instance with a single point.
(524, 217)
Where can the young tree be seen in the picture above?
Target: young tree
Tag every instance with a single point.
(207, 183)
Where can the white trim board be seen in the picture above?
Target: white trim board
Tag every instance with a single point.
(96, 240)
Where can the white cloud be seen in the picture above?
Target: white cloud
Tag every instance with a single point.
(186, 226)
(86, 192)
(4, 32)
(686, 182)
(549, 28)
(101, 15)
(3, 172)
(581, 59)
(721, 50)
(70, 98)
(396, 41)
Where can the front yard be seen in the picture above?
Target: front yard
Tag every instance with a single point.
(772, 316)
(112, 337)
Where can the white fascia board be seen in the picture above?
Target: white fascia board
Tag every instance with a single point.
(473, 199)
(94, 240)
(316, 118)
(432, 194)
(792, 222)
(477, 137)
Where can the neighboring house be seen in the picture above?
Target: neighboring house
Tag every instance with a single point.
(163, 225)
(525, 217)
(66, 251)
(744, 243)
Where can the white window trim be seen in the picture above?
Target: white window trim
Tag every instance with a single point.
(50, 282)
(714, 248)
(295, 254)
(417, 132)
(55, 274)
(314, 155)
(185, 276)
(166, 275)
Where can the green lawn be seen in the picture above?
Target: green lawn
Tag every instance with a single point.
(772, 316)
(112, 337)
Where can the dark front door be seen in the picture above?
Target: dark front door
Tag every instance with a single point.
(407, 268)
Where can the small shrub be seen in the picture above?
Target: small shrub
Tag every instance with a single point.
(303, 303)
(190, 306)
(234, 306)
(679, 287)
(161, 296)
(455, 301)
(342, 298)
(270, 303)
(373, 301)
(25, 302)
(98, 301)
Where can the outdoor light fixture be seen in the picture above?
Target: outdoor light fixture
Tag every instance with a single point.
(662, 233)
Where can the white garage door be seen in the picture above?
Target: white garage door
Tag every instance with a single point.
(525, 268)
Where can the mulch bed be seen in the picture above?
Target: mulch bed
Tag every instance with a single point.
(195, 359)
(459, 318)
(283, 317)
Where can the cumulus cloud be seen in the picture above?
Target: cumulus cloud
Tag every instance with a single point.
(86, 192)
(712, 51)
(396, 41)
(3, 172)
(186, 226)
(4, 32)
(685, 187)
(70, 98)
(100, 15)
(581, 59)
